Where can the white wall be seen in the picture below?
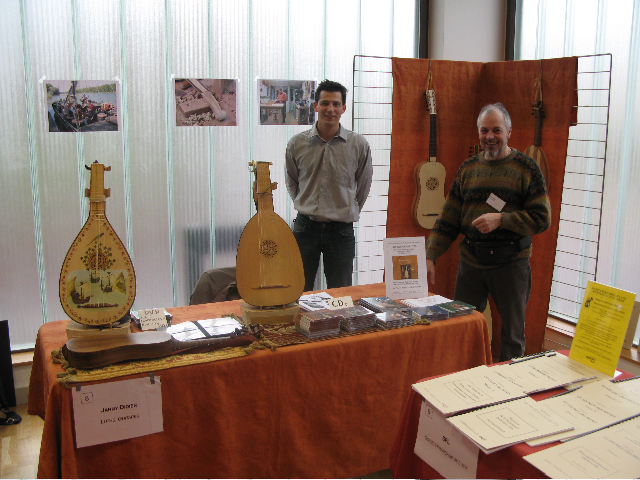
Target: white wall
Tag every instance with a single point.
(467, 30)
(21, 376)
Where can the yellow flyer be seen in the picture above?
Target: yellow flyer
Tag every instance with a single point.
(601, 327)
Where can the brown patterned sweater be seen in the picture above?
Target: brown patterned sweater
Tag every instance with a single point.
(516, 179)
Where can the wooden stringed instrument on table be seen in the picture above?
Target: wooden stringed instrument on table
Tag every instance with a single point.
(95, 352)
(269, 269)
(97, 284)
(429, 176)
(535, 151)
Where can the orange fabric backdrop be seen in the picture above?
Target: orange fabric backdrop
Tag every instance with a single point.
(461, 89)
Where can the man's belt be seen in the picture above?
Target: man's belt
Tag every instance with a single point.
(496, 253)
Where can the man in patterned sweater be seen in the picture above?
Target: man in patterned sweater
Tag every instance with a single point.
(497, 201)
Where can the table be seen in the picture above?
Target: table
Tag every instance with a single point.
(506, 463)
(269, 109)
(325, 409)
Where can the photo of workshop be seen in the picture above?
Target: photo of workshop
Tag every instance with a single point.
(286, 102)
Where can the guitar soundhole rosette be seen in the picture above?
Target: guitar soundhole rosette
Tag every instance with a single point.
(268, 248)
(432, 183)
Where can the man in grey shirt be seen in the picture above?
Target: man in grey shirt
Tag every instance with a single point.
(329, 173)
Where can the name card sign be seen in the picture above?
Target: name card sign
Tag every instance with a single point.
(107, 412)
(340, 302)
(152, 318)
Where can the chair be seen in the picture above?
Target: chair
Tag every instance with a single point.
(215, 285)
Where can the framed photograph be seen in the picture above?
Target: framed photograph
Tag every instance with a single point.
(206, 102)
(286, 102)
(82, 105)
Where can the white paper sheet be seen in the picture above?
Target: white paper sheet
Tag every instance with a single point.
(443, 447)
(405, 267)
(106, 412)
(608, 453)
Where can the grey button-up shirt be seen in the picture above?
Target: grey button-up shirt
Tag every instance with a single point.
(329, 181)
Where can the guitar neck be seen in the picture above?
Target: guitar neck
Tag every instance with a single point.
(538, 113)
(182, 345)
(432, 138)
(264, 187)
(537, 137)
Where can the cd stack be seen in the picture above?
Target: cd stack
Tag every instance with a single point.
(356, 318)
(394, 319)
(380, 304)
(457, 308)
(320, 323)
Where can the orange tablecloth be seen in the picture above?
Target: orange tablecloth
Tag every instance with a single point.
(318, 410)
(506, 463)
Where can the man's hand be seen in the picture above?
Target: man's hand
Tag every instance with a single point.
(431, 271)
(488, 222)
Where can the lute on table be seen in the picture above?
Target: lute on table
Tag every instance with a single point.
(93, 352)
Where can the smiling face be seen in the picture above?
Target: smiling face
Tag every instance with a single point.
(493, 135)
(330, 108)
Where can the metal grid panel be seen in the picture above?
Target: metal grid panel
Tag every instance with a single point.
(581, 210)
(372, 111)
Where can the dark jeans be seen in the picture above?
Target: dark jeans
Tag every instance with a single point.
(335, 240)
(510, 286)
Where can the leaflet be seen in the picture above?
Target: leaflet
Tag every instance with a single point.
(608, 453)
(602, 326)
(468, 389)
(591, 407)
(405, 267)
(500, 426)
(546, 371)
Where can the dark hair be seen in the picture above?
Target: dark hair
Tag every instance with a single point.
(330, 86)
(496, 107)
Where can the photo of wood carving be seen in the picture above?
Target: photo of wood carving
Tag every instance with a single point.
(205, 102)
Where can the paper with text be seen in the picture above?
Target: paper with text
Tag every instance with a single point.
(472, 388)
(405, 267)
(106, 412)
(608, 453)
(591, 407)
(443, 447)
(602, 326)
(547, 372)
(499, 426)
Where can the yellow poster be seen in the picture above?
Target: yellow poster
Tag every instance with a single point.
(601, 328)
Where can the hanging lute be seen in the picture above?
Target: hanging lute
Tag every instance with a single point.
(269, 267)
(535, 151)
(97, 283)
(429, 176)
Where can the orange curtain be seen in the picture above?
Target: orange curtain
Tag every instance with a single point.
(462, 89)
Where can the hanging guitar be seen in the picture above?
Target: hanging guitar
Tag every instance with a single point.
(97, 283)
(429, 176)
(535, 151)
(269, 267)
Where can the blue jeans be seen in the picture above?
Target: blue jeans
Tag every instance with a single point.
(335, 240)
(510, 286)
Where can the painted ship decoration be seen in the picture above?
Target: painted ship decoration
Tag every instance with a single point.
(97, 281)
